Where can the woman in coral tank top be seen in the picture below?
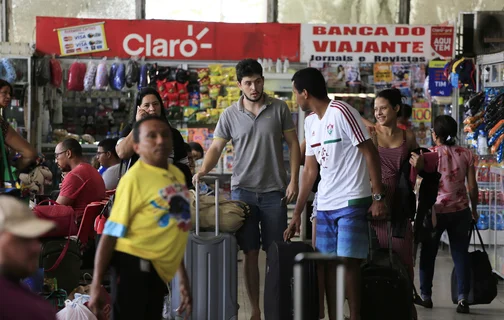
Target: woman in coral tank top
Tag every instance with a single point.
(452, 211)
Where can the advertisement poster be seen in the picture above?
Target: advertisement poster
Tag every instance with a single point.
(83, 39)
(352, 74)
(375, 43)
(438, 84)
(176, 40)
(335, 76)
(401, 73)
(382, 73)
(421, 123)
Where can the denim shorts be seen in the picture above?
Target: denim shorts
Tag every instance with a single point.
(268, 210)
(343, 232)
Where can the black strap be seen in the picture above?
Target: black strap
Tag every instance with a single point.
(475, 228)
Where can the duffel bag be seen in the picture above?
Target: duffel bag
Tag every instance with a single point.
(63, 216)
(232, 213)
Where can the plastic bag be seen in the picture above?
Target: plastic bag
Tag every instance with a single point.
(8, 71)
(76, 75)
(101, 80)
(112, 73)
(119, 78)
(76, 310)
(56, 73)
(89, 78)
(132, 73)
(43, 71)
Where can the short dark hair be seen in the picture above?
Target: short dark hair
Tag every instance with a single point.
(394, 98)
(4, 83)
(141, 94)
(445, 128)
(311, 80)
(248, 68)
(187, 147)
(197, 147)
(109, 145)
(72, 145)
(138, 124)
(406, 111)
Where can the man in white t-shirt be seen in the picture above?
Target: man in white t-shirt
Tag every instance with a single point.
(339, 142)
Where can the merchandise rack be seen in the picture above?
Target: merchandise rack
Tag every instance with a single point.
(490, 74)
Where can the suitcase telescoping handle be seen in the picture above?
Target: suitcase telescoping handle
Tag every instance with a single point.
(373, 236)
(197, 207)
(300, 262)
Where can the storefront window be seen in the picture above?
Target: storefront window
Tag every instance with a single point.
(24, 12)
(208, 10)
(340, 12)
(435, 12)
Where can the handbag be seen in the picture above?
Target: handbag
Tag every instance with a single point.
(63, 216)
(483, 281)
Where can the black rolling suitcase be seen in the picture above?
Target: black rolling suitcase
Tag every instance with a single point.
(387, 291)
(61, 259)
(304, 307)
(278, 290)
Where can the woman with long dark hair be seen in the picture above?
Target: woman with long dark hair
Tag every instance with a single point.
(149, 102)
(452, 212)
(395, 147)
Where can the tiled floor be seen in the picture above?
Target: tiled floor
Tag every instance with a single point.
(443, 307)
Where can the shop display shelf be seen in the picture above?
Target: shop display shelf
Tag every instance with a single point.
(489, 237)
(53, 145)
(277, 76)
(494, 84)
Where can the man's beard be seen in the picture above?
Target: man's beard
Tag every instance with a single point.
(254, 100)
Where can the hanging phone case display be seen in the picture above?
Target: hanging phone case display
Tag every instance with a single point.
(483, 128)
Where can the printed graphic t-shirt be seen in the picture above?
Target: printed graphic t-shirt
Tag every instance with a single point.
(453, 164)
(151, 216)
(333, 141)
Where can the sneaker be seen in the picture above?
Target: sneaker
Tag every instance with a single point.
(427, 303)
(463, 306)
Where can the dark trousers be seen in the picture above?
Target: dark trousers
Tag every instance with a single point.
(137, 290)
(458, 225)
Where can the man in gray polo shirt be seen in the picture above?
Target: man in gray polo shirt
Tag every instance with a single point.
(257, 125)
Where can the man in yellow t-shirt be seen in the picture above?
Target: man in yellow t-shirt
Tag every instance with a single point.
(146, 234)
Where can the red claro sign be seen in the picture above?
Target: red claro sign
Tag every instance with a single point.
(181, 40)
(135, 44)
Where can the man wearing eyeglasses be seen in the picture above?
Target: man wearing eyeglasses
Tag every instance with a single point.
(109, 160)
(82, 183)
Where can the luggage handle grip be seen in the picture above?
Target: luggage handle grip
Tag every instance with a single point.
(197, 207)
(389, 240)
(299, 264)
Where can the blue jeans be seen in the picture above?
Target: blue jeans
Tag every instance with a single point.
(266, 209)
(458, 225)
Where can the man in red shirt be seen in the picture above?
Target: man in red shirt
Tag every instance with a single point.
(19, 258)
(82, 184)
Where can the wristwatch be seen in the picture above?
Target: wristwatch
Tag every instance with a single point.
(378, 197)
